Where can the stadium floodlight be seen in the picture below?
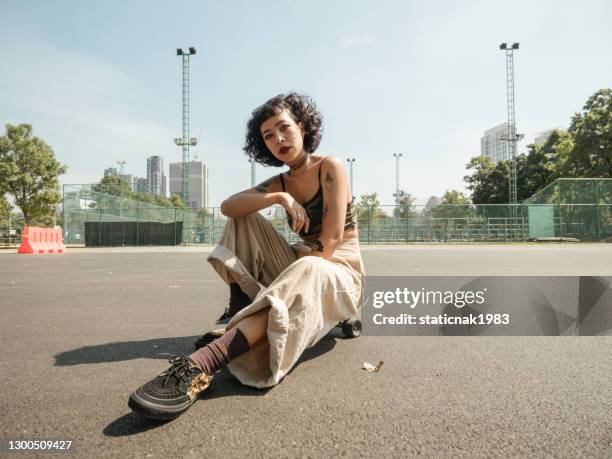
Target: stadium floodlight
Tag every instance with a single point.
(179, 52)
(193, 141)
(512, 137)
(351, 162)
(397, 156)
(192, 50)
(178, 140)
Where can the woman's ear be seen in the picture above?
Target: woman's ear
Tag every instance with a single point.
(302, 130)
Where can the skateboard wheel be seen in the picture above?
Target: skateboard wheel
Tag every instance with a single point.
(351, 328)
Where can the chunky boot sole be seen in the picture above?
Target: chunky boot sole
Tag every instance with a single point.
(155, 411)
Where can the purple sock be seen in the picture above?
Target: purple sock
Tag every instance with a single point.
(215, 355)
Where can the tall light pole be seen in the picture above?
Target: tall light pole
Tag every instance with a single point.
(351, 161)
(185, 141)
(512, 137)
(121, 163)
(397, 157)
(252, 161)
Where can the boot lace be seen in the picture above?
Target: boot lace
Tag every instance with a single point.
(179, 368)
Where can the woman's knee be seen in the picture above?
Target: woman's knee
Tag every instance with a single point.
(309, 263)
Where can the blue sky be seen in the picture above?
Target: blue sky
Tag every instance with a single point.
(100, 81)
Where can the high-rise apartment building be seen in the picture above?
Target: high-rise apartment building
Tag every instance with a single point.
(155, 175)
(127, 178)
(140, 185)
(110, 171)
(198, 183)
(492, 144)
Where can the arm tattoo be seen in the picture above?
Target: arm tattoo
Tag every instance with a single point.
(263, 186)
(325, 210)
(318, 246)
(329, 181)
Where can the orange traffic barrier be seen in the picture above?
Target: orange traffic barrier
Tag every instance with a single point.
(41, 240)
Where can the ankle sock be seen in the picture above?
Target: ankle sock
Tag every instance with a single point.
(215, 355)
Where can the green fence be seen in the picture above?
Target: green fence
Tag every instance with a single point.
(547, 214)
(489, 223)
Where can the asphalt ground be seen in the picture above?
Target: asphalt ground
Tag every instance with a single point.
(81, 330)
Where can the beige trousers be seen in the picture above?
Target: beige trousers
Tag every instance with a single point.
(307, 295)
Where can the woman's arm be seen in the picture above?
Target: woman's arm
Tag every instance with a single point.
(264, 195)
(335, 191)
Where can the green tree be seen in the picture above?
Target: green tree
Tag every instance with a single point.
(544, 164)
(454, 204)
(488, 182)
(29, 172)
(431, 203)
(368, 207)
(403, 205)
(5, 209)
(592, 134)
(113, 185)
(176, 201)
(455, 197)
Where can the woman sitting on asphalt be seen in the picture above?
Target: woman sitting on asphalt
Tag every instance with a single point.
(283, 298)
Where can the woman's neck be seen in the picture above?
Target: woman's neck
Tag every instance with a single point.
(300, 165)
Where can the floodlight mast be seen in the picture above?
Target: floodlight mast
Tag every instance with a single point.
(512, 137)
(185, 141)
(397, 157)
(252, 161)
(351, 162)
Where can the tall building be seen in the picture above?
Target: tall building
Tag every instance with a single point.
(155, 175)
(542, 136)
(110, 171)
(163, 185)
(492, 146)
(198, 183)
(140, 185)
(127, 178)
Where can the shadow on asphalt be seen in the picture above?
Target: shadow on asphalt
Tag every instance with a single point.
(224, 384)
(156, 348)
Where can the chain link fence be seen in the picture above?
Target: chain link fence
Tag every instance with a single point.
(567, 208)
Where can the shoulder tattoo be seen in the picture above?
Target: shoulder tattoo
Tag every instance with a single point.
(325, 210)
(263, 186)
(329, 181)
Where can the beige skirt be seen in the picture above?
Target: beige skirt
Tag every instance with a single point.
(307, 295)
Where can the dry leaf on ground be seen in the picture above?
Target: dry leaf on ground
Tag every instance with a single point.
(371, 368)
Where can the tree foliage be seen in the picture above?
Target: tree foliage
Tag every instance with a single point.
(29, 173)
(453, 204)
(404, 205)
(368, 207)
(5, 209)
(583, 151)
(591, 130)
(115, 186)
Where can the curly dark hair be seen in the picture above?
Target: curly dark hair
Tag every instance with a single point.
(302, 109)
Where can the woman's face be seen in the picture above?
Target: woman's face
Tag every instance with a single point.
(283, 136)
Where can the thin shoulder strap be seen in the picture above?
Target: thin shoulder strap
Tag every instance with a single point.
(320, 167)
(282, 181)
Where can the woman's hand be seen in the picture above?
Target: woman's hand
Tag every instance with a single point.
(297, 212)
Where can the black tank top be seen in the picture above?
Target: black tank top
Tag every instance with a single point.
(314, 210)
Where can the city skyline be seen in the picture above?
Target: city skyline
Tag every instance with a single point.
(425, 80)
